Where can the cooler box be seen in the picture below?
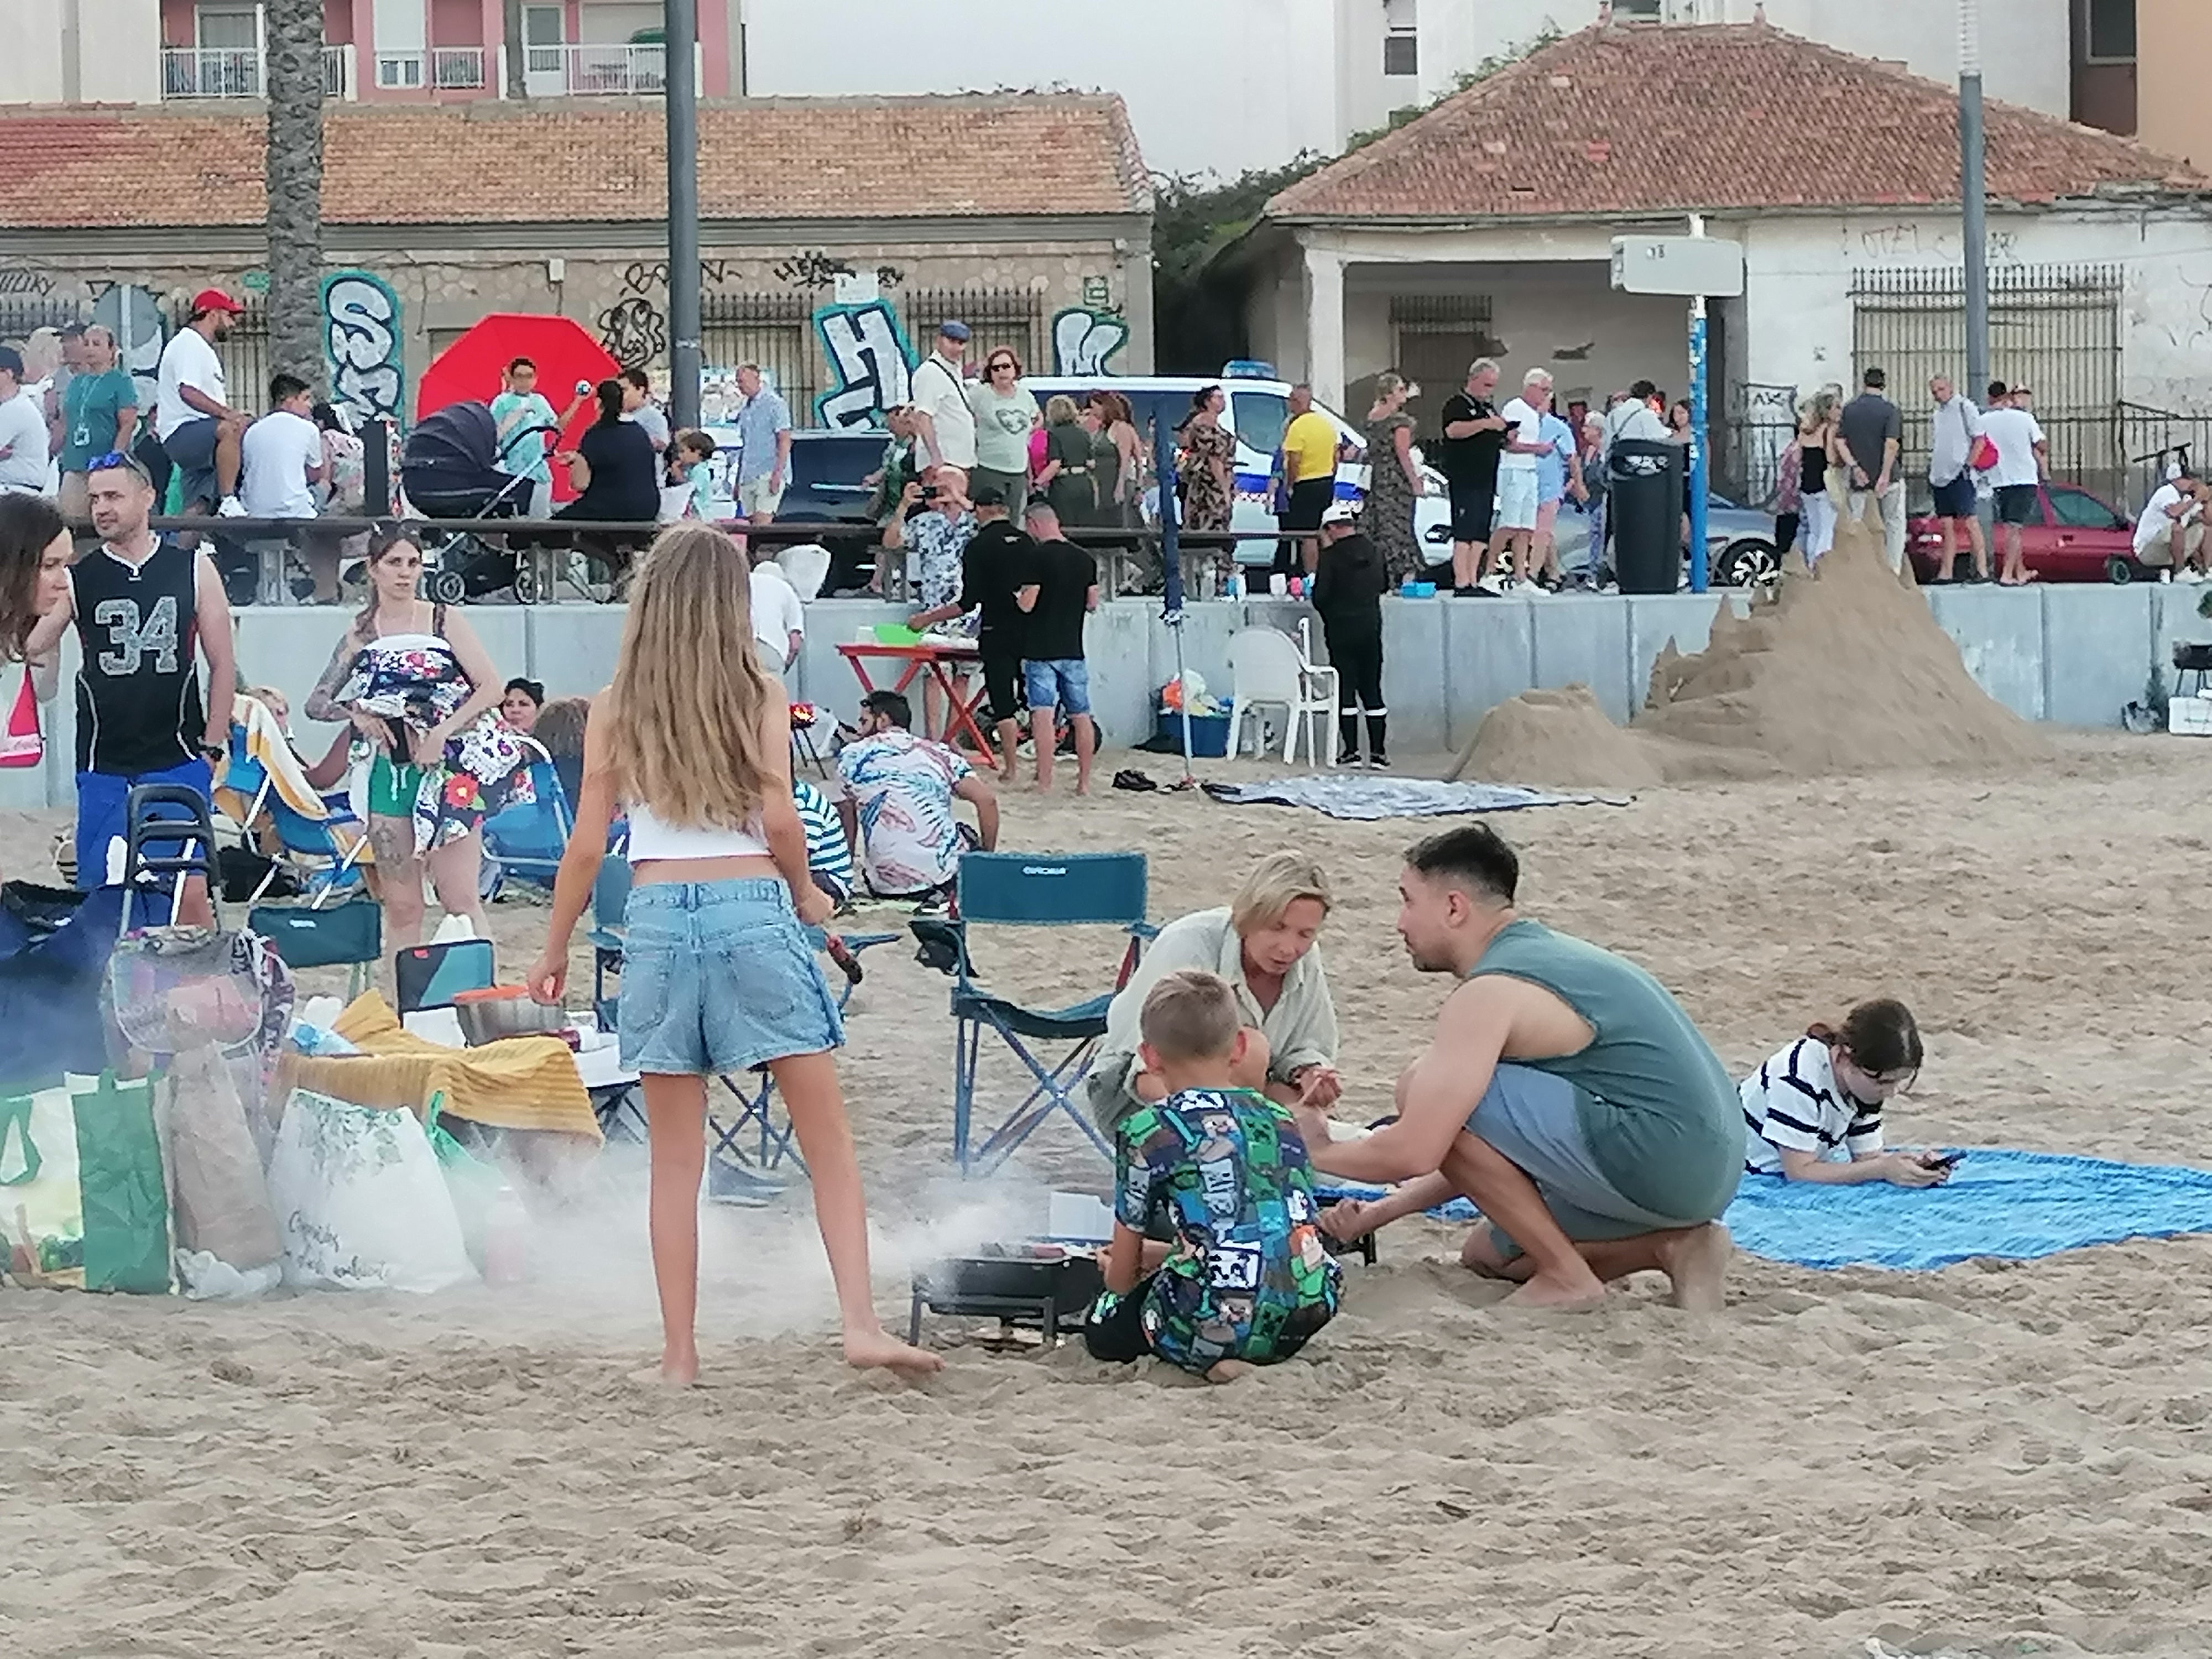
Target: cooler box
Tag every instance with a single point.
(1209, 733)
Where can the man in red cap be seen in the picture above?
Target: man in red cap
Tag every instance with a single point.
(198, 429)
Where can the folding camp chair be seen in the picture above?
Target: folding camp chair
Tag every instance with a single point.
(1031, 889)
(772, 1142)
(327, 851)
(529, 839)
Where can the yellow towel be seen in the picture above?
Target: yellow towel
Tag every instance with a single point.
(518, 1083)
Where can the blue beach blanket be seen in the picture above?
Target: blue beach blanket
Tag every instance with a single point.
(2017, 1206)
(2014, 1205)
(1369, 799)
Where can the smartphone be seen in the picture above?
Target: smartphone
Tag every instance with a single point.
(1945, 1162)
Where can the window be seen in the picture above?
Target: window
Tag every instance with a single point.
(228, 28)
(1647, 10)
(399, 69)
(2077, 509)
(1402, 54)
(2108, 30)
(1259, 418)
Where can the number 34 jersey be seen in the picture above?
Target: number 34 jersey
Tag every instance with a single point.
(137, 689)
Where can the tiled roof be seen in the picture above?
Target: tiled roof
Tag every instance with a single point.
(491, 160)
(1630, 118)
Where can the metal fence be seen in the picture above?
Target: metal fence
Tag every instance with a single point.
(776, 331)
(1434, 336)
(2055, 329)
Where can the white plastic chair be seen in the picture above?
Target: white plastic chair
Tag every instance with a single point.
(1266, 669)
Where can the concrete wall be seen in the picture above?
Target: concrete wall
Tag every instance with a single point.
(2074, 655)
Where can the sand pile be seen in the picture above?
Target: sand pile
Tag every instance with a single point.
(1847, 672)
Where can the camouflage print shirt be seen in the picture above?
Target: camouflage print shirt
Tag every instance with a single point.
(1247, 1277)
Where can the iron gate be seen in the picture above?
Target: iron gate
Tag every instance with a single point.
(1434, 336)
(2054, 329)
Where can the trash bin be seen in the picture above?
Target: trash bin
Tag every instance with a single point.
(1645, 497)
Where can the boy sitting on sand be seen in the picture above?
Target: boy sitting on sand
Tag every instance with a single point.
(1247, 1281)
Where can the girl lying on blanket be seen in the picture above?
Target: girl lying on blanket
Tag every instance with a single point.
(1813, 1112)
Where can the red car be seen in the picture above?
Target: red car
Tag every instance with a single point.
(2076, 538)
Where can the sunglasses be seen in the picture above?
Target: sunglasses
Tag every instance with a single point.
(116, 461)
(1002, 363)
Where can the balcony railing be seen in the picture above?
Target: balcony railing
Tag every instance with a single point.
(457, 68)
(236, 72)
(608, 69)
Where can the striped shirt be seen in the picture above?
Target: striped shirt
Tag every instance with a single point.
(828, 855)
(1793, 1103)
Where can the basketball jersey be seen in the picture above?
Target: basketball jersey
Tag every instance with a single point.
(138, 689)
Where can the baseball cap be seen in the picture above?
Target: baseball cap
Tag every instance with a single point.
(1338, 513)
(214, 299)
(988, 494)
(12, 360)
(953, 329)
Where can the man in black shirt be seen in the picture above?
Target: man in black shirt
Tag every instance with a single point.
(1059, 591)
(991, 567)
(1474, 437)
(142, 607)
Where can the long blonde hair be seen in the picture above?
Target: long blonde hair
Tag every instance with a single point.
(684, 709)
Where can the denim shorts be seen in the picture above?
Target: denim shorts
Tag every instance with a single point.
(1064, 684)
(718, 977)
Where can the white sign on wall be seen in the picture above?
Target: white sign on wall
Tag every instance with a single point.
(1685, 265)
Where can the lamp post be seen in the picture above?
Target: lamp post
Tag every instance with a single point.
(681, 34)
(1973, 197)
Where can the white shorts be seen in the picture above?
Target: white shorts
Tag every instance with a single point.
(755, 498)
(1517, 491)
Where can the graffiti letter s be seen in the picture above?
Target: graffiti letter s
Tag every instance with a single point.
(1083, 340)
(870, 364)
(361, 340)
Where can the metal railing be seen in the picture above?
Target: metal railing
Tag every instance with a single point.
(457, 68)
(237, 72)
(211, 72)
(611, 70)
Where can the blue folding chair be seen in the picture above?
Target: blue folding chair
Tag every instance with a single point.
(772, 1142)
(1031, 889)
(529, 839)
(327, 860)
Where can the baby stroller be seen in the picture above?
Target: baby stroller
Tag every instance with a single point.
(449, 469)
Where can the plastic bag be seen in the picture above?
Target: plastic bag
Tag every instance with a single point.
(363, 1201)
(221, 1198)
(83, 1201)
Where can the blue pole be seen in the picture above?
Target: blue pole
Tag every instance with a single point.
(1699, 468)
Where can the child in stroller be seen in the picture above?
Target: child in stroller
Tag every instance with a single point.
(450, 468)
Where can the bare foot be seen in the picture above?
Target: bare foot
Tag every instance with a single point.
(1082, 788)
(1544, 1292)
(1227, 1370)
(878, 1349)
(678, 1369)
(1698, 1263)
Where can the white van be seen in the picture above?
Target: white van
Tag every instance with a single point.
(1257, 411)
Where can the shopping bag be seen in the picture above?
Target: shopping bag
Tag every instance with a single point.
(22, 744)
(1984, 454)
(362, 1201)
(84, 1204)
(223, 1204)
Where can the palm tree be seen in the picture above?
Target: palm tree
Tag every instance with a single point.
(511, 33)
(293, 35)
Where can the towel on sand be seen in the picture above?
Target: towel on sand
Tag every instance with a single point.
(517, 1083)
(2016, 1206)
(1370, 798)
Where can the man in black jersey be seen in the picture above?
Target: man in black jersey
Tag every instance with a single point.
(141, 606)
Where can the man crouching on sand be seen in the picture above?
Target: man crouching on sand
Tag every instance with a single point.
(1565, 1093)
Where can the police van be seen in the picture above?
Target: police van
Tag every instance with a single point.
(1257, 411)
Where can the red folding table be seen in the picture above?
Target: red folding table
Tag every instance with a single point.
(944, 665)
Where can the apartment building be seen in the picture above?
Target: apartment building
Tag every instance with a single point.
(2139, 68)
(144, 52)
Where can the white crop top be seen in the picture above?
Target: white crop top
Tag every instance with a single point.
(649, 838)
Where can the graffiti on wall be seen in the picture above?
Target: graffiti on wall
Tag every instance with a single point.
(634, 331)
(871, 364)
(19, 280)
(1083, 341)
(361, 344)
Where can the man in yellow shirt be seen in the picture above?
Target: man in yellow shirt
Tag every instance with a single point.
(1309, 451)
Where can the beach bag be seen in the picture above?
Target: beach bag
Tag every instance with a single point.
(220, 1195)
(335, 936)
(363, 1200)
(22, 744)
(1984, 453)
(83, 1201)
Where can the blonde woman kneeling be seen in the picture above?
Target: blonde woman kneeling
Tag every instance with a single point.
(693, 740)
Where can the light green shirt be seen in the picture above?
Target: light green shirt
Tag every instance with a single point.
(1002, 426)
(1300, 1029)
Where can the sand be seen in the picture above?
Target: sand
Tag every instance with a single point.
(1992, 1459)
(1845, 672)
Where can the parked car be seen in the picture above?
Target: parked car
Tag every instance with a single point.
(826, 487)
(2076, 537)
(1740, 549)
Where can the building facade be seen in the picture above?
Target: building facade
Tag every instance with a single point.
(1486, 228)
(834, 237)
(2138, 69)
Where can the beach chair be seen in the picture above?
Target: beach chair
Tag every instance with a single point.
(263, 781)
(528, 840)
(755, 1123)
(1031, 890)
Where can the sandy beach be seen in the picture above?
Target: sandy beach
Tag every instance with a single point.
(1996, 1459)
